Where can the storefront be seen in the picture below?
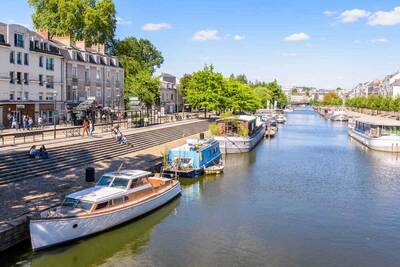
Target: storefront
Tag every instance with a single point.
(46, 111)
(8, 111)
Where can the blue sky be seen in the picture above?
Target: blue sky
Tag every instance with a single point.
(316, 43)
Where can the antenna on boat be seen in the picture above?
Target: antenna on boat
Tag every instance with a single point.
(119, 168)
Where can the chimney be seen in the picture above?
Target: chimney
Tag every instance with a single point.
(99, 48)
(81, 44)
(65, 40)
(44, 34)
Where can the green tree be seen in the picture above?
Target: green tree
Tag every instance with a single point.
(332, 99)
(142, 85)
(183, 84)
(264, 94)
(138, 55)
(92, 20)
(204, 90)
(239, 96)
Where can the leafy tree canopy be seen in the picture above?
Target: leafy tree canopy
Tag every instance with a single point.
(92, 20)
(140, 53)
(183, 84)
(142, 85)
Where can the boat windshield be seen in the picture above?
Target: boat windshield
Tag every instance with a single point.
(120, 183)
(77, 204)
(105, 180)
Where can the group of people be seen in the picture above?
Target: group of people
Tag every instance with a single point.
(88, 127)
(26, 123)
(40, 153)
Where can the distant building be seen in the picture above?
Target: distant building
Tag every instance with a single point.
(389, 86)
(169, 94)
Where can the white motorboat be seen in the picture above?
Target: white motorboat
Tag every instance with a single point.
(117, 198)
(280, 118)
(216, 169)
(288, 110)
(376, 133)
(339, 115)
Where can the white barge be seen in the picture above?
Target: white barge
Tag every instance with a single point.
(239, 134)
(115, 199)
(376, 133)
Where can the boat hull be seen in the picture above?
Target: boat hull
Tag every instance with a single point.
(232, 145)
(49, 232)
(384, 143)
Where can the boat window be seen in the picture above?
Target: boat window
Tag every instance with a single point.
(105, 180)
(102, 205)
(83, 205)
(69, 202)
(138, 182)
(120, 183)
(118, 201)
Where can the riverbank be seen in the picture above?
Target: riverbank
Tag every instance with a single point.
(22, 197)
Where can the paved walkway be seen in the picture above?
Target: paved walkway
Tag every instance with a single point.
(79, 139)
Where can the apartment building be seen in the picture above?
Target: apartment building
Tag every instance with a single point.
(169, 94)
(91, 74)
(390, 85)
(31, 75)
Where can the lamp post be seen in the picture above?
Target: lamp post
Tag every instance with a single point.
(118, 103)
(54, 112)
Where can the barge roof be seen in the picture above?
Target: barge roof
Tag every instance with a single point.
(379, 121)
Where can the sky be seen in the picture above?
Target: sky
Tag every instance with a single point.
(320, 43)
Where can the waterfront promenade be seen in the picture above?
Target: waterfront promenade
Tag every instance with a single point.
(43, 183)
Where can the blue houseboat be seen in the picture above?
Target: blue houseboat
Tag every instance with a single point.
(190, 159)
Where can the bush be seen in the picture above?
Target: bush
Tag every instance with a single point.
(214, 129)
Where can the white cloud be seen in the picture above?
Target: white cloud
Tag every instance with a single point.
(385, 18)
(238, 37)
(330, 13)
(297, 37)
(204, 35)
(349, 16)
(380, 41)
(156, 26)
(121, 21)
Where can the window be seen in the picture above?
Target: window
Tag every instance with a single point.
(41, 61)
(98, 92)
(77, 204)
(74, 93)
(49, 97)
(19, 58)
(49, 81)
(87, 75)
(40, 96)
(108, 76)
(74, 72)
(40, 79)
(120, 183)
(19, 77)
(12, 77)
(26, 59)
(49, 63)
(12, 60)
(105, 180)
(117, 76)
(19, 40)
(102, 205)
(19, 96)
(11, 95)
(97, 74)
(172, 96)
(87, 92)
(118, 201)
(26, 95)
(26, 78)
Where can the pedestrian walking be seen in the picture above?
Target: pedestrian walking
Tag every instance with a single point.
(24, 122)
(91, 127)
(40, 122)
(14, 122)
(30, 123)
(85, 127)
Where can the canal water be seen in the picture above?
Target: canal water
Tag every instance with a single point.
(309, 197)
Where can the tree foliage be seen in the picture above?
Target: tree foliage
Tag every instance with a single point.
(271, 92)
(332, 99)
(92, 20)
(207, 89)
(183, 84)
(142, 85)
(139, 54)
(376, 102)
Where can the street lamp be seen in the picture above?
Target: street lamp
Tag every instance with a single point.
(118, 103)
(54, 112)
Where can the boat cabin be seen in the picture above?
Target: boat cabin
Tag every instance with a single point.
(377, 128)
(244, 125)
(195, 154)
(112, 191)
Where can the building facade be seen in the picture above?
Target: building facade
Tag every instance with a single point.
(32, 81)
(91, 74)
(170, 99)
